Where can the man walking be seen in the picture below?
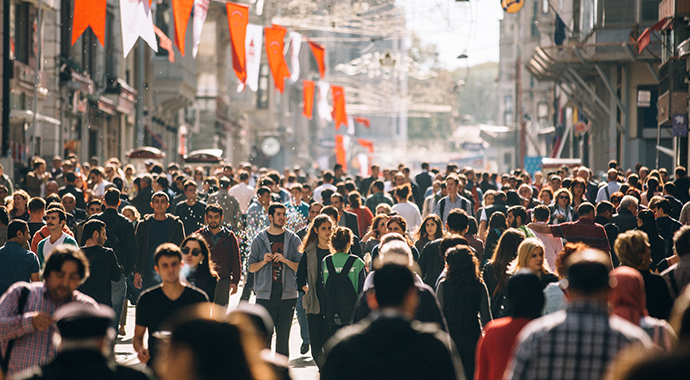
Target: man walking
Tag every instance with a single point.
(378, 196)
(32, 329)
(274, 258)
(453, 199)
(225, 253)
(242, 191)
(16, 263)
(516, 218)
(345, 218)
(154, 230)
(55, 221)
(232, 216)
(191, 212)
(103, 266)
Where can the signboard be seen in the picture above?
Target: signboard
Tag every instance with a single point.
(580, 128)
(680, 125)
(644, 98)
(471, 146)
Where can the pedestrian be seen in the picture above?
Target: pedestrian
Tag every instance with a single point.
(530, 256)
(378, 196)
(191, 212)
(597, 338)
(315, 247)
(17, 263)
(495, 272)
(429, 230)
(646, 222)
(516, 218)
(453, 199)
(376, 231)
(364, 216)
(409, 211)
(232, 215)
(31, 326)
(157, 304)
(104, 268)
(327, 184)
(497, 225)
(37, 209)
(154, 230)
(242, 191)
(55, 222)
(224, 252)
(198, 269)
(18, 210)
(274, 258)
(524, 301)
(388, 345)
(345, 218)
(142, 201)
(463, 295)
(432, 260)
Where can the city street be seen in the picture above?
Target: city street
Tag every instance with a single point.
(302, 367)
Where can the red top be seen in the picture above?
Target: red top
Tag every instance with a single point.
(364, 218)
(495, 349)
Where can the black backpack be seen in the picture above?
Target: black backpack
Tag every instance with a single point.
(341, 296)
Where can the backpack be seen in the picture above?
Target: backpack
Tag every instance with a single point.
(463, 206)
(341, 296)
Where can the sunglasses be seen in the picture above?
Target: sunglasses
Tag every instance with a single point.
(195, 252)
(563, 197)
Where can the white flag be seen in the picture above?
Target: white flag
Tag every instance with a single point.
(139, 23)
(322, 101)
(295, 43)
(252, 52)
(200, 12)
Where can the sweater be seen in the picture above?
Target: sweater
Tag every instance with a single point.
(263, 280)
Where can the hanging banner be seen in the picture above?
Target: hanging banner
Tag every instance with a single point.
(363, 120)
(340, 153)
(89, 13)
(339, 113)
(165, 43)
(295, 43)
(200, 13)
(322, 101)
(182, 9)
(141, 25)
(366, 144)
(274, 48)
(252, 50)
(308, 91)
(238, 17)
(364, 167)
(319, 52)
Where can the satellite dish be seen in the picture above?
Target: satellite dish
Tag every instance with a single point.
(512, 6)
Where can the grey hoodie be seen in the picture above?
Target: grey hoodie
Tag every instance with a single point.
(263, 278)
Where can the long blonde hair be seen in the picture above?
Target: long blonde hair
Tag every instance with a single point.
(524, 251)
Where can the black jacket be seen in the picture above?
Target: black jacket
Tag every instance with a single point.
(625, 220)
(143, 201)
(391, 347)
(351, 222)
(143, 235)
(125, 247)
(78, 194)
(676, 206)
(612, 233)
(86, 364)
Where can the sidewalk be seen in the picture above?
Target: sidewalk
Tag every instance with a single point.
(302, 367)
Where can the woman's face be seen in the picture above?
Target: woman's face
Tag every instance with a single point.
(563, 200)
(193, 248)
(488, 200)
(430, 227)
(395, 227)
(381, 210)
(546, 198)
(525, 192)
(578, 190)
(19, 202)
(129, 215)
(198, 176)
(324, 231)
(382, 228)
(42, 168)
(535, 262)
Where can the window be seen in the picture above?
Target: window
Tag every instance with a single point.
(22, 32)
(618, 12)
(649, 10)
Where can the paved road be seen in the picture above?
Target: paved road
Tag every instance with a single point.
(302, 366)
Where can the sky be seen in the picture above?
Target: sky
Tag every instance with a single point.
(457, 27)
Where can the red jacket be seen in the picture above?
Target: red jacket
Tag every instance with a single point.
(225, 254)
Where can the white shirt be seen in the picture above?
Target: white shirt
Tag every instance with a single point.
(99, 190)
(318, 190)
(612, 186)
(48, 247)
(552, 246)
(244, 194)
(410, 212)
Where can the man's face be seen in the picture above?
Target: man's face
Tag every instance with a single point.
(190, 192)
(512, 182)
(526, 192)
(94, 209)
(555, 184)
(62, 284)
(169, 269)
(213, 219)
(53, 222)
(375, 172)
(399, 179)
(451, 186)
(512, 221)
(306, 193)
(57, 164)
(264, 199)
(160, 205)
(278, 217)
(3, 193)
(128, 172)
(297, 195)
(335, 202)
(633, 209)
(101, 238)
(23, 237)
(584, 174)
(314, 211)
(95, 178)
(69, 203)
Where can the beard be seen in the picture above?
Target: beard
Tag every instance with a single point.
(514, 224)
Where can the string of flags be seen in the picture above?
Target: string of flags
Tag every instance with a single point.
(246, 44)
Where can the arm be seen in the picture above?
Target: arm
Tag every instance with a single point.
(361, 278)
(115, 268)
(540, 228)
(282, 259)
(255, 260)
(235, 260)
(439, 294)
(302, 273)
(13, 325)
(35, 277)
(484, 308)
(138, 343)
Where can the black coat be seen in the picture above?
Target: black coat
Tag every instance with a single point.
(611, 233)
(143, 201)
(351, 222)
(125, 247)
(86, 364)
(676, 206)
(625, 220)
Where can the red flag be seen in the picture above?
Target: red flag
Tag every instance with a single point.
(238, 17)
(274, 49)
(308, 98)
(366, 144)
(340, 155)
(182, 9)
(363, 120)
(319, 52)
(89, 13)
(165, 43)
(643, 40)
(339, 113)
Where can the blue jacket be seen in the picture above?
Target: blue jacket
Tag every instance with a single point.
(263, 280)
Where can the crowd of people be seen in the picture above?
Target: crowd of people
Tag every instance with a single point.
(449, 274)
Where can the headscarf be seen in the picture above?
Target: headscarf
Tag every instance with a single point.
(628, 296)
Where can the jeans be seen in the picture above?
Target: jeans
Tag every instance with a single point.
(119, 291)
(319, 333)
(248, 286)
(302, 319)
(282, 313)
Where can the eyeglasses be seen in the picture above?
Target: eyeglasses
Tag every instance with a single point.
(562, 197)
(195, 252)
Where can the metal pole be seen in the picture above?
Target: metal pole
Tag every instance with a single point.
(38, 72)
(6, 75)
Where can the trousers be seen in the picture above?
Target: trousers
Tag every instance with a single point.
(282, 313)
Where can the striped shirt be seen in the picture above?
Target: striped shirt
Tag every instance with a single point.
(585, 231)
(32, 348)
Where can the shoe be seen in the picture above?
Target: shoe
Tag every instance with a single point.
(122, 331)
(304, 349)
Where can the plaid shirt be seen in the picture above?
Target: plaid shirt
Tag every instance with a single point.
(31, 348)
(576, 343)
